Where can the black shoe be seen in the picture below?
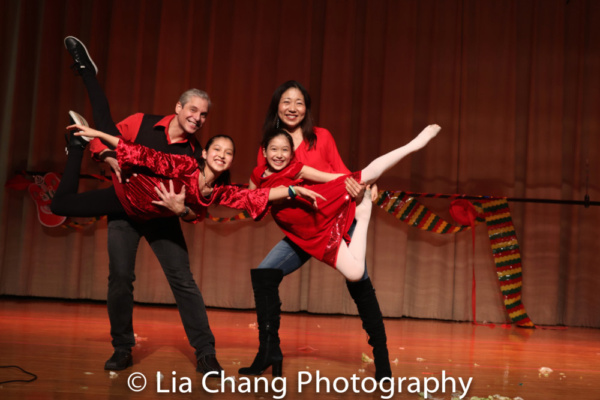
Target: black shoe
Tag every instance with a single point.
(71, 139)
(120, 360)
(363, 294)
(264, 360)
(80, 55)
(209, 363)
(265, 284)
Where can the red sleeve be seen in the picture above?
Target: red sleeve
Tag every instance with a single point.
(255, 202)
(256, 174)
(330, 150)
(168, 165)
(260, 158)
(294, 169)
(129, 129)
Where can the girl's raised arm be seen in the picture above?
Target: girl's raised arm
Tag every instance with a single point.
(87, 131)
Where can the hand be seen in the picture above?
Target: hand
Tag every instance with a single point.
(309, 195)
(373, 189)
(114, 166)
(355, 189)
(170, 199)
(84, 130)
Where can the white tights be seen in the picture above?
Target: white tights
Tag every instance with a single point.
(351, 259)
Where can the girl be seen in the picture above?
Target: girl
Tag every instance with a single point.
(203, 181)
(320, 233)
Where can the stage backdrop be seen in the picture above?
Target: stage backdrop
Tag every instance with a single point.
(514, 84)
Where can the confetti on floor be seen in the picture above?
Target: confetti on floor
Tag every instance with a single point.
(307, 349)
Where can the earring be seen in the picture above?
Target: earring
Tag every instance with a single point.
(277, 122)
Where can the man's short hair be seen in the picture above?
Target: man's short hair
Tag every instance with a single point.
(188, 94)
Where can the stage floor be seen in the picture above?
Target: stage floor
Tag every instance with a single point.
(66, 344)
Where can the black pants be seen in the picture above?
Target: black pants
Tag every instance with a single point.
(166, 239)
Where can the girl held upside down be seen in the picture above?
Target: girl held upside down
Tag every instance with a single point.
(203, 182)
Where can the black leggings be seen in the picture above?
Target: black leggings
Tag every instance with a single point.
(100, 108)
(94, 203)
(67, 202)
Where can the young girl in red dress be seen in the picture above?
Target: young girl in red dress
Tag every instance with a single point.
(323, 232)
(201, 182)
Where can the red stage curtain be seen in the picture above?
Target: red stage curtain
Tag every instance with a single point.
(514, 84)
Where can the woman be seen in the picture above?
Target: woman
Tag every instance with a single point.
(290, 109)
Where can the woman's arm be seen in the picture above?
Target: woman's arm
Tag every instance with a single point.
(330, 152)
(314, 175)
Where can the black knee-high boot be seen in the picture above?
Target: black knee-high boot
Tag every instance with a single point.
(363, 294)
(265, 283)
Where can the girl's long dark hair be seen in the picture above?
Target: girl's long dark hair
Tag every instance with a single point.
(225, 177)
(307, 124)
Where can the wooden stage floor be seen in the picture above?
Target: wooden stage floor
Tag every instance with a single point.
(66, 344)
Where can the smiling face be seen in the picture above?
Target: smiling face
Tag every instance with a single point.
(292, 109)
(192, 115)
(279, 153)
(219, 155)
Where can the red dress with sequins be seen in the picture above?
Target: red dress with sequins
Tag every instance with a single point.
(318, 232)
(136, 195)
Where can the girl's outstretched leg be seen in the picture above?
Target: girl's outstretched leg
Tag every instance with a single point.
(351, 259)
(66, 200)
(383, 163)
(85, 67)
(363, 293)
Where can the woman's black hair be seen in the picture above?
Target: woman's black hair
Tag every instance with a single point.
(272, 119)
(225, 177)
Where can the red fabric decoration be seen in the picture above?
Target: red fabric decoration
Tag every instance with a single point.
(464, 212)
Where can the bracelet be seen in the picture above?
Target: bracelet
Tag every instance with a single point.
(185, 212)
(292, 192)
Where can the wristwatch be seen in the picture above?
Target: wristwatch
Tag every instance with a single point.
(185, 212)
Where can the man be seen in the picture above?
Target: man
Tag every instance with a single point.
(171, 134)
